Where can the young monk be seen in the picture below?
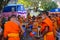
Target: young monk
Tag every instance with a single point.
(28, 16)
(55, 27)
(12, 29)
(30, 23)
(58, 20)
(47, 27)
(35, 25)
(20, 19)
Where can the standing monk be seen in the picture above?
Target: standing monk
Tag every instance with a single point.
(55, 27)
(47, 27)
(20, 19)
(28, 16)
(12, 29)
(58, 20)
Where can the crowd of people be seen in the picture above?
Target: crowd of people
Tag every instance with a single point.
(21, 28)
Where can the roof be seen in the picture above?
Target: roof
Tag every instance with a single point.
(55, 10)
(16, 7)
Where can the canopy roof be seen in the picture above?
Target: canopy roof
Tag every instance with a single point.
(14, 7)
(55, 10)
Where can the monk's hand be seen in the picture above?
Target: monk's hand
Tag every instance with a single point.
(5, 38)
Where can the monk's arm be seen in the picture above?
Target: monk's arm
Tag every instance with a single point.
(21, 28)
(45, 30)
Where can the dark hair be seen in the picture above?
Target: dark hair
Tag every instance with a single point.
(49, 17)
(11, 17)
(45, 12)
(8, 18)
(18, 16)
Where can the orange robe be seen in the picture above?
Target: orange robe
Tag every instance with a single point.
(11, 30)
(49, 35)
(55, 25)
(58, 21)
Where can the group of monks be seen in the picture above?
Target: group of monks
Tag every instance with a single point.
(49, 25)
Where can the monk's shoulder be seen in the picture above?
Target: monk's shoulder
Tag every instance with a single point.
(8, 22)
(44, 24)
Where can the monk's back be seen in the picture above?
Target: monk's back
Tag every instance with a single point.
(49, 23)
(12, 27)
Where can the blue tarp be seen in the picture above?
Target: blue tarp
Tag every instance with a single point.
(17, 7)
(55, 10)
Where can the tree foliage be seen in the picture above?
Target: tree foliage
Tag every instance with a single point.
(26, 3)
(3, 3)
(49, 5)
(33, 3)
